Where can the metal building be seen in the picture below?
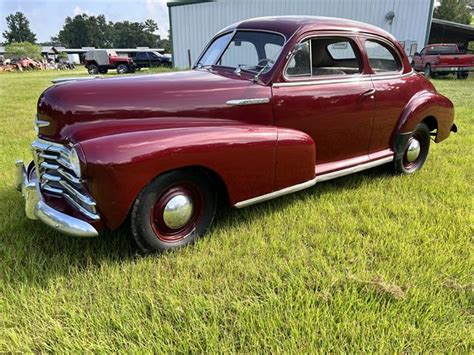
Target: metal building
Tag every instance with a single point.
(194, 22)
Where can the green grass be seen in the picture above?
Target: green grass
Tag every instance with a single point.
(368, 262)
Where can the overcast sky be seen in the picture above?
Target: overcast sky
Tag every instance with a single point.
(47, 16)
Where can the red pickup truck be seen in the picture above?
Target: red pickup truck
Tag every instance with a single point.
(99, 61)
(443, 59)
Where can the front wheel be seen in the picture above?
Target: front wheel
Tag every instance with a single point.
(415, 152)
(173, 211)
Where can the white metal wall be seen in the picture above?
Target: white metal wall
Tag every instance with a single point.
(193, 25)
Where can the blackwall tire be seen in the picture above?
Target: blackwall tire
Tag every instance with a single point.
(93, 69)
(122, 69)
(427, 71)
(410, 161)
(173, 211)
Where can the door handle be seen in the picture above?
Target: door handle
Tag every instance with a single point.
(368, 92)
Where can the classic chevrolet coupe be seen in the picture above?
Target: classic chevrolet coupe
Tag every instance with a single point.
(272, 106)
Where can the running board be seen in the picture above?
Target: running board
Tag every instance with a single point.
(312, 182)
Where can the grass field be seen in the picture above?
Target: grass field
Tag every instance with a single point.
(369, 262)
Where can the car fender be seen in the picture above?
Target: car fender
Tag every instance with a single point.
(244, 157)
(423, 105)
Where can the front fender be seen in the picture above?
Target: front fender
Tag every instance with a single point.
(120, 165)
(427, 104)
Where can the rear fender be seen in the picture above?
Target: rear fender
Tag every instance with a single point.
(423, 105)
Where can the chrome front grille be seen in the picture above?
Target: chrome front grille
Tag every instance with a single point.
(56, 177)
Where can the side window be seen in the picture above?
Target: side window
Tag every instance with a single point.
(300, 63)
(324, 56)
(334, 56)
(382, 59)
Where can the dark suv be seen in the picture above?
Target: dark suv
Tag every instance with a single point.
(148, 59)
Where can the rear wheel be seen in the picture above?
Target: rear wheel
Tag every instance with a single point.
(427, 70)
(463, 75)
(122, 69)
(173, 211)
(93, 69)
(415, 152)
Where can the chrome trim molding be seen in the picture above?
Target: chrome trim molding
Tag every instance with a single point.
(56, 176)
(312, 182)
(65, 80)
(354, 169)
(242, 102)
(356, 79)
(37, 209)
(40, 123)
(272, 195)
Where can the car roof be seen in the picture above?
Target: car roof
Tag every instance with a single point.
(289, 25)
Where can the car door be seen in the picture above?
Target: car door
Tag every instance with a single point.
(393, 90)
(154, 60)
(418, 60)
(325, 92)
(142, 59)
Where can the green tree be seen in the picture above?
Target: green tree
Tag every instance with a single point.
(85, 31)
(134, 34)
(23, 49)
(18, 29)
(453, 10)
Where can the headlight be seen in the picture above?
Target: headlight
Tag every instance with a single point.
(75, 162)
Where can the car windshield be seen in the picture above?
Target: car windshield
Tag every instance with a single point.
(254, 51)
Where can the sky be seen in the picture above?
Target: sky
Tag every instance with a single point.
(47, 17)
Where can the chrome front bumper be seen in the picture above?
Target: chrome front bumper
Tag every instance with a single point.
(37, 209)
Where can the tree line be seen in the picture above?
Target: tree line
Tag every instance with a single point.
(90, 31)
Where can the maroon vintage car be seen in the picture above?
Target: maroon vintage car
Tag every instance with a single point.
(272, 106)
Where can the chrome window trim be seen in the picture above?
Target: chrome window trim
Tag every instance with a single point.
(368, 37)
(360, 78)
(346, 35)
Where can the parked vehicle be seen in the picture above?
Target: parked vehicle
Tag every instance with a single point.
(273, 106)
(443, 59)
(149, 59)
(101, 60)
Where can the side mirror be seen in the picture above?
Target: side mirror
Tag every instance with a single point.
(416, 54)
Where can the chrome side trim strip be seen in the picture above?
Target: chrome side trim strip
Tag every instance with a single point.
(353, 169)
(312, 182)
(272, 195)
(242, 102)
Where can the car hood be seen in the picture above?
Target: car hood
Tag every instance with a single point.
(80, 110)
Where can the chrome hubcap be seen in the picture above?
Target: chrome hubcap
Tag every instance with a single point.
(413, 149)
(178, 211)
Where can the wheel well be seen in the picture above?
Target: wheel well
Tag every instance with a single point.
(431, 122)
(216, 181)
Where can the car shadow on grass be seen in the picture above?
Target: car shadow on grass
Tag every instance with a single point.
(33, 253)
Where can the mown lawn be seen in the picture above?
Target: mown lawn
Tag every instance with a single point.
(369, 262)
